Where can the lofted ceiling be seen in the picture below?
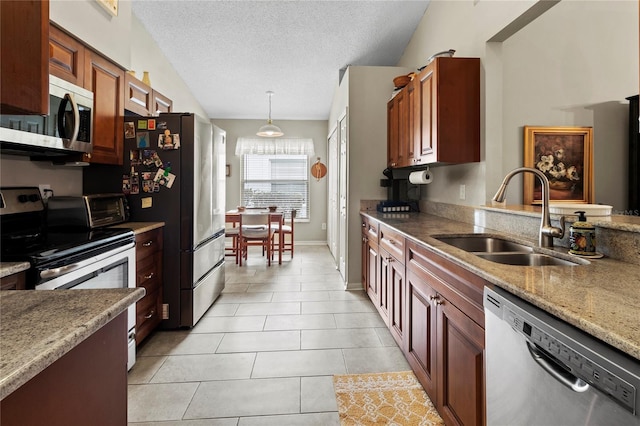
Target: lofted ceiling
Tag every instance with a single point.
(229, 53)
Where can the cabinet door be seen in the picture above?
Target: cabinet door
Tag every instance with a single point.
(397, 301)
(384, 284)
(138, 96)
(403, 127)
(426, 148)
(420, 335)
(373, 285)
(412, 124)
(392, 133)
(24, 70)
(461, 367)
(160, 103)
(106, 81)
(66, 56)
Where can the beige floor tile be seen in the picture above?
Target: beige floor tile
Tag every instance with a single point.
(229, 324)
(359, 320)
(181, 343)
(144, 369)
(197, 368)
(317, 394)
(313, 419)
(260, 341)
(272, 308)
(300, 322)
(275, 287)
(375, 360)
(244, 297)
(337, 306)
(234, 398)
(298, 363)
(222, 310)
(340, 338)
(349, 295)
(230, 421)
(301, 296)
(157, 402)
(385, 336)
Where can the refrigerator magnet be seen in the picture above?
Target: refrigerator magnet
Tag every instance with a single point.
(151, 124)
(156, 159)
(135, 189)
(129, 130)
(142, 124)
(176, 140)
(142, 139)
(161, 125)
(165, 141)
(147, 186)
(156, 187)
(134, 156)
(146, 175)
(126, 184)
(164, 178)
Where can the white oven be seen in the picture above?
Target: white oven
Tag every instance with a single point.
(115, 268)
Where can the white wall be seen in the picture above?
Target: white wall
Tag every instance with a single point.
(310, 231)
(573, 65)
(20, 171)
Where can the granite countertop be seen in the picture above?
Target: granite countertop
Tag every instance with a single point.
(600, 297)
(10, 268)
(140, 227)
(39, 327)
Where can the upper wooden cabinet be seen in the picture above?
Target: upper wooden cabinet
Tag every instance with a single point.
(66, 56)
(106, 80)
(24, 76)
(141, 99)
(448, 90)
(436, 117)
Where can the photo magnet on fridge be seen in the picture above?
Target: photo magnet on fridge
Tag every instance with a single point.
(164, 178)
(129, 130)
(126, 184)
(142, 124)
(134, 156)
(142, 139)
(151, 124)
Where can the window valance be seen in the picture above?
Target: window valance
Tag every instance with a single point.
(264, 146)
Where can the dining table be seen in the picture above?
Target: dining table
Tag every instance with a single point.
(277, 216)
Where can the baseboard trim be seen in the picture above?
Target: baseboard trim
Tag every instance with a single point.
(311, 243)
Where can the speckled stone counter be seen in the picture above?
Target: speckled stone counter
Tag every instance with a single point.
(9, 268)
(39, 327)
(140, 227)
(601, 296)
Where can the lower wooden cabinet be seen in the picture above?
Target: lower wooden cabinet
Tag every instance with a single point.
(149, 275)
(14, 281)
(433, 309)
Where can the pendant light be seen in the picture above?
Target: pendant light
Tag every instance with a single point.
(269, 130)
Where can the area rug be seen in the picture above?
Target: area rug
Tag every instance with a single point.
(383, 399)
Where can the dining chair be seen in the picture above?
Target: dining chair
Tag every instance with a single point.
(255, 230)
(232, 230)
(286, 233)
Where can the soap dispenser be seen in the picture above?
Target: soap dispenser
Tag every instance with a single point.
(582, 237)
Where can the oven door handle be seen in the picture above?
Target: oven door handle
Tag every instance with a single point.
(569, 380)
(48, 274)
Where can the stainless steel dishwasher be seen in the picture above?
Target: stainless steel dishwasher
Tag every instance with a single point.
(543, 371)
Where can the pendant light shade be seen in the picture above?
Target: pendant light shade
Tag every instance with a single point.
(270, 130)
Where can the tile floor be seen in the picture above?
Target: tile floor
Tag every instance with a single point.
(265, 352)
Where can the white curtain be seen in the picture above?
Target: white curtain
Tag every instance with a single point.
(266, 146)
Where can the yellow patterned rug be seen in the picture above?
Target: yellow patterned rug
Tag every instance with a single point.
(383, 399)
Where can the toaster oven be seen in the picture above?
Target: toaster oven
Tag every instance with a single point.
(87, 211)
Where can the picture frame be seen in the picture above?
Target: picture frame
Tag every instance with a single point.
(565, 156)
(228, 170)
(110, 6)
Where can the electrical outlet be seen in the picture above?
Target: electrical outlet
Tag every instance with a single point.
(463, 191)
(165, 311)
(324, 226)
(45, 191)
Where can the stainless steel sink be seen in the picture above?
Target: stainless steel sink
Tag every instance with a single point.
(503, 251)
(526, 259)
(485, 244)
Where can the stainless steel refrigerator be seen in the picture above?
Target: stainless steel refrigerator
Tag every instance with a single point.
(174, 171)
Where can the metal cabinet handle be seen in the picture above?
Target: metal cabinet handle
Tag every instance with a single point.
(149, 276)
(389, 259)
(364, 224)
(439, 302)
(150, 314)
(148, 243)
(569, 380)
(433, 297)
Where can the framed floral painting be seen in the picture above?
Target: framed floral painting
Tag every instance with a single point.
(565, 156)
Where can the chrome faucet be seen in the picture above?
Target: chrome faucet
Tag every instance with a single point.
(547, 232)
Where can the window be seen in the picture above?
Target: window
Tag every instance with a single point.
(276, 180)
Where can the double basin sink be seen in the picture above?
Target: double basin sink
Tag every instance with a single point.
(503, 251)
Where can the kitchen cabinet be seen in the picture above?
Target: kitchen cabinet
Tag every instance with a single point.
(66, 56)
(370, 260)
(142, 99)
(106, 80)
(634, 155)
(392, 279)
(24, 76)
(13, 282)
(149, 246)
(448, 97)
(445, 336)
(398, 132)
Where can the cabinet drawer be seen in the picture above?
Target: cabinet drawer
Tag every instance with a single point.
(148, 273)
(370, 229)
(13, 281)
(148, 243)
(393, 242)
(148, 315)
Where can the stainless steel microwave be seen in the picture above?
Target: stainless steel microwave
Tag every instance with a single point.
(68, 128)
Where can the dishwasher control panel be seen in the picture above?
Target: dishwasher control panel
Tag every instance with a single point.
(576, 363)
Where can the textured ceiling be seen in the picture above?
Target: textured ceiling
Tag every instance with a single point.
(230, 53)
